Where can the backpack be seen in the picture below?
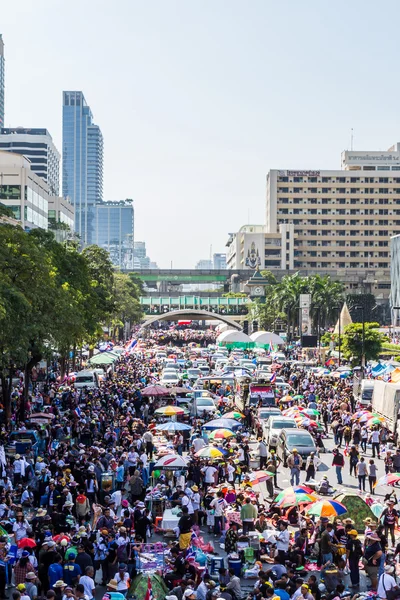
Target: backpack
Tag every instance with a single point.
(122, 553)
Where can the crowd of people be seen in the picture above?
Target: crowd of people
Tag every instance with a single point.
(75, 518)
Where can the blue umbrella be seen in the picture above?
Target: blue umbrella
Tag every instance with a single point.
(222, 424)
(173, 426)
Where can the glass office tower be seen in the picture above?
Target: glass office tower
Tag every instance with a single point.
(82, 163)
(114, 227)
(2, 85)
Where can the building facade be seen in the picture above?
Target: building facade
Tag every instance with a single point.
(114, 231)
(2, 81)
(394, 299)
(219, 261)
(21, 190)
(37, 145)
(82, 178)
(251, 248)
(342, 219)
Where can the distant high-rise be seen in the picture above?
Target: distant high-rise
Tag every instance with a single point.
(219, 261)
(114, 231)
(82, 178)
(2, 77)
(37, 145)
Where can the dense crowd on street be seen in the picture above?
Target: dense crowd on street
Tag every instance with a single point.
(77, 517)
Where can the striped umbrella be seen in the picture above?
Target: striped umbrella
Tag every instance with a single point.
(388, 479)
(260, 476)
(326, 508)
(233, 414)
(171, 461)
(209, 452)
(170, 411)
(221, 434)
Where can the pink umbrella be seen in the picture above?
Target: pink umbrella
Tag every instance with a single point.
(155, 390)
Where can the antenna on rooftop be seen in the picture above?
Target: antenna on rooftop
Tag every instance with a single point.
(351, 139)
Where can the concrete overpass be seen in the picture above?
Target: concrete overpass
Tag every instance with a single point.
(157, 305)
(192, 315)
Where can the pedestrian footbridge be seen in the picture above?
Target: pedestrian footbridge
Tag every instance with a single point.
(191, 314)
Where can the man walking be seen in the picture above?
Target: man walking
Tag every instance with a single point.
(338, 463)
(294, 463)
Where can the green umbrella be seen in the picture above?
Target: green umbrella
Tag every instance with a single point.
(298, 397)
(103, 358)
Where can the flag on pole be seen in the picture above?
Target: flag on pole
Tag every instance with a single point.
(271, 347)
(149, 593)
(273, 377)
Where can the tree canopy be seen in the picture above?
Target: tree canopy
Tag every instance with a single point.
(55, 298)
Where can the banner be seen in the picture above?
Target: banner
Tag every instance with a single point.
(305, 319)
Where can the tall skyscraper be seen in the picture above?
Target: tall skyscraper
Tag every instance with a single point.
(38, 146)
(82, 151)
(2, 77)
(114, 231)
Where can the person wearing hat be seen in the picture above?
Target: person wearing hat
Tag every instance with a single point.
(387, 586)
(30, 585)
(123, 579)
(22, 567)
(294, 462)
(196, 503)
(390, 518)
(354, 553)
(72, 571)
(372, 558)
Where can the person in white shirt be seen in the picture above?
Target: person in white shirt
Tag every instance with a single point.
(122, 578)
(375, 439)
(282, 541)
(186, 501)
(196, 503)
(88, 582)
(144, 459)
(219, 505)
(209, 473)
(231, 472)
(198, 443)
(386, 582)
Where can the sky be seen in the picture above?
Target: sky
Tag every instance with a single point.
(198, 100)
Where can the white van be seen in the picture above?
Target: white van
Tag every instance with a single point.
(367, 389)
(87, 378)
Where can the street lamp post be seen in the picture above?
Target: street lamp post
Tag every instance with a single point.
(361, 307)
(339, 308)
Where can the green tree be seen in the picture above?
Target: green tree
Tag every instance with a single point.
(127, 308)
(351, 342)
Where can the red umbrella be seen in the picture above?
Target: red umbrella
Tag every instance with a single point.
(155, 390)
(26, 543)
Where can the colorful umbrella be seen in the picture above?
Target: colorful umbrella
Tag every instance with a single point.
(170, 411)
(155, 390)
(326, 508)
(388, 479)
(311, 412)
(361, 413)
(26, 543)
(209, 452)
(286, 399)
(298, 397)
(291, 496)
(221, 434)
(260, 476)
(222, 423)
(234, 414)
(288, 412)
(375, 421)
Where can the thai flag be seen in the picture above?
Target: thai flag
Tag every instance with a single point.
(78, 413)
(273, 377)
(271, 348)
(149, 593)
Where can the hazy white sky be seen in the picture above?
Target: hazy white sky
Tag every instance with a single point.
(198, 100)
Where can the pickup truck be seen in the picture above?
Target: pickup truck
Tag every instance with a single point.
(23, 442)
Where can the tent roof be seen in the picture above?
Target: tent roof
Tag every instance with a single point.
(266, 337)
(231, 336)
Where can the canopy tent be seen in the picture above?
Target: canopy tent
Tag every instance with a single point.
(234, 339)
(263, 339)
(103, 358)
(395, 377)
(357, 509)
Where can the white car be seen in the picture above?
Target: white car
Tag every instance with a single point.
(201, 405)
(193, 374)
(274, 426)
(169, 378)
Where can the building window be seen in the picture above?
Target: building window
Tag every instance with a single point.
(10, 192)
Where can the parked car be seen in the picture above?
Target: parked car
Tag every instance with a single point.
(274, 426)
(295, 438)
(170, 378)
(202, 405)
(263, 414)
